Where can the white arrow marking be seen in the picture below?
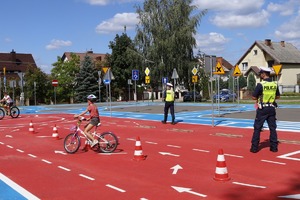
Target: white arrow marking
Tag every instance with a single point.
(168, 154)
(60, 152)
(188, 190)
(294, 196)
(176, 168)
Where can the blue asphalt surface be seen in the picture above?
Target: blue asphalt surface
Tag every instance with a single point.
(202, 117)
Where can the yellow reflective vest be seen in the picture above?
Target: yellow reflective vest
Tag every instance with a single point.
(269, 91)
(169, 95)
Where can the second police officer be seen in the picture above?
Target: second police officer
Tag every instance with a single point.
(168, 97)
(265, 95)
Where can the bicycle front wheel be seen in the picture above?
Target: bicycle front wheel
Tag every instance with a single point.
(72, 143)
(108, 142)
(2, 113)
(14, 112)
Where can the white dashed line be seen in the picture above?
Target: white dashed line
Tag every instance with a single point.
(10, 146)
(234, 155)
(115, 188)
(269, 161)
(19, 150)
(151, 142)
(1, 143)
(249, 185)
(33, 156)
(201, 150)
(66, 169)
(174, 146)
(46, 161)
(87, 177)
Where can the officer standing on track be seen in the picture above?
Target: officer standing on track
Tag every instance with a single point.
(265, 94)
(168, 97)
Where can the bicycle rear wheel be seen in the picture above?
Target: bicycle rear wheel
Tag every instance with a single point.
(2, 113)
(14, 112)
(72, 143)
(108, 142)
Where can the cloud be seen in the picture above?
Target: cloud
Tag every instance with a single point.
(232, 20)
(7, 40)
(289, 30)
(118, 22)
(285, 9)
(235, 13)
(56, 44)
(211, 43)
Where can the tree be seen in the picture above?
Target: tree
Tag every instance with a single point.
(86, 81)
(251, 82)
(34, 75)
(165, 35)
(65, 73)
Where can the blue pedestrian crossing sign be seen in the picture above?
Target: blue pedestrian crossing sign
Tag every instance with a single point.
(135, 75)
(164, 80)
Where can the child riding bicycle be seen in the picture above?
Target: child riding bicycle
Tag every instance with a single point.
(94, 118)
(7, 102)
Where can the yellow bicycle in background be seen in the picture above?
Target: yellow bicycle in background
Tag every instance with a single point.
(14, 111)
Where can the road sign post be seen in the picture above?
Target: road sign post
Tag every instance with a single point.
(54, 84)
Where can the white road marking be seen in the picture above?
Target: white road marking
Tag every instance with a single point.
(33, 156)
(115, 188)
(201, 150)
(169, 145)
(287, 156)
(87, 177)
(234, 155)
(150, 142)
(19, 150)
(249, 185)
(270, 161)
(10, 146)
(46, 161)
(66, 169)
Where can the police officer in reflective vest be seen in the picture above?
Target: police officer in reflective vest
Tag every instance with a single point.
(168, 97)
(265, 95)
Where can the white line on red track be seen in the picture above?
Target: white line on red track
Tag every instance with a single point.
(33, 156)
(10, 146)
(169, 145)
(1, 143)
(46, 161)
(201, 150)
(19, 150)
(150, 142)
(234, 155)
(249, 185)
(115, 188)
(270, 161)
(87, 177)
(66, 169)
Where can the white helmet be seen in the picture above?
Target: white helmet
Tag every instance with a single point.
(91, 97)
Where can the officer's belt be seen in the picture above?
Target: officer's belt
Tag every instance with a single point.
(267, 105)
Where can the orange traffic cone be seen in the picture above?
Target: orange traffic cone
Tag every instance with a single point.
(31, 128)
(138, 152)
(55, 133)
(221, 173)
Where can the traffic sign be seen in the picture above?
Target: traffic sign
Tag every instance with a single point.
(106, 81)
(277, 69)
(219, 69)
(55, 83)
(164, 80)
(135, 75)
(147, 79)
(194, 71)
(237, 71)
(174, 74)
(195, 79)
(104, 69)
(147, 71)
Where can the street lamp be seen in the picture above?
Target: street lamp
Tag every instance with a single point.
(99, 84)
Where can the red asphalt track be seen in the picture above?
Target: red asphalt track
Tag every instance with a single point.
(39, 163)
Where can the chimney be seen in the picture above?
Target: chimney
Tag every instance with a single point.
(268, 42)
(13, 56)
(282, 43)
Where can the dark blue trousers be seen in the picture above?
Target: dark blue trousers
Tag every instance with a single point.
(265, 114)
(169, 105)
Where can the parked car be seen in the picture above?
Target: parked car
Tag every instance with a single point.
(225, 95)
(189, 96)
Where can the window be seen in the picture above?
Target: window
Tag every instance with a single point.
(255, 52)
(244, 66)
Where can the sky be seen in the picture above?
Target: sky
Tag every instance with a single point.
(48, 28)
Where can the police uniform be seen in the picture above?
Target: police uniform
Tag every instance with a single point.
(169, 103)
(266, 93)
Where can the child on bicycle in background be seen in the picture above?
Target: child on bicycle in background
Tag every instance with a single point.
(8, 102)
(94, 117)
